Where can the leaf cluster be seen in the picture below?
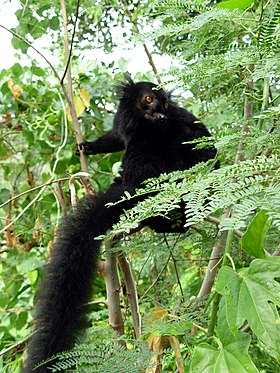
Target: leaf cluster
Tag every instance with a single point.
(246, 186)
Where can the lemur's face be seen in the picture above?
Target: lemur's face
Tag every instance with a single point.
(152, 103)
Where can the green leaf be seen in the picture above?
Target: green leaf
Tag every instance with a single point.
(235, 4)
(19, 44)
(253, 239)
(252, 294)
(32, 276)
(21, 320)
(54, 23)
(29, 263)
(231, 356)
(38, 71)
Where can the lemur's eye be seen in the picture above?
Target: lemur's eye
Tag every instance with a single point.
(166, 105)
(149, 99)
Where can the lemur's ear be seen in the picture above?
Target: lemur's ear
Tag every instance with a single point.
(128, 79)
(124, 88)
(170, 94)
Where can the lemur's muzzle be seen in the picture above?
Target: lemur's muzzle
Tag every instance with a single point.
(156, 117)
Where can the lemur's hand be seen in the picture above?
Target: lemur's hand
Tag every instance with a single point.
(84, 147)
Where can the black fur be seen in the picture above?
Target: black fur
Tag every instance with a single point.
(151, 130)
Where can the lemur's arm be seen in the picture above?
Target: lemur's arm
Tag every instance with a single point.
(108, 143)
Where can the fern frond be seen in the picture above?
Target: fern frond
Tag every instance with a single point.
(269, 27)
(104, 355)
(207, 194)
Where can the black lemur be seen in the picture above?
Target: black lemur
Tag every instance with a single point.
(151, 129)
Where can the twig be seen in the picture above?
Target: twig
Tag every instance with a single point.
(265, 100)
(35, 188)
(25, 209)
(73, 193)
(177, 276)
(158, 276)
(148, 53)
(32, 46)
(72, 41)
(68, 97)
(15, 345)
(92, 303)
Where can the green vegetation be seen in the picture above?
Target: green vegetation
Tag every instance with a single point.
(227, 72)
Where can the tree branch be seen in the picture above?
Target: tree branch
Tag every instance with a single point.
(77, 128)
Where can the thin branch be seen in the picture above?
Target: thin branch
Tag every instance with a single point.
(148, 53)
(23, 211)
(214, 313)
(70, 101)
(35, 49)
(73, 193)
(15, 345)
(158, 276)
(94, 302)
(68, 97)
(265, 100)
(37, 187)
(177, 276)
(72, 41)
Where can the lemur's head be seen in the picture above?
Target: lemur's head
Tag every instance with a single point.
(151, 102)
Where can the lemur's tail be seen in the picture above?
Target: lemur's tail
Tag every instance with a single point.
(60, 314)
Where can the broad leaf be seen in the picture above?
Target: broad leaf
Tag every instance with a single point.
(79, 107)
(252, 294)
(230, 356)
(253, 239)
(235, 4)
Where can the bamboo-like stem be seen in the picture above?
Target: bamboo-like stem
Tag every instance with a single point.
(111, 277)
(248, 112)
(265, 100)
(216, 302)
(131, 292)
(213, 266)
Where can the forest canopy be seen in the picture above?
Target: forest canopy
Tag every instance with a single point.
(209, 298)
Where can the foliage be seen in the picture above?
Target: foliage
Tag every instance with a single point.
(102, 353)
(227, 55)
(252, 294)
(248, 192)
(232, 353)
